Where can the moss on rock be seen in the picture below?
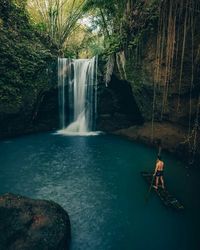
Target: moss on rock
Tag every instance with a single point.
(26, 66)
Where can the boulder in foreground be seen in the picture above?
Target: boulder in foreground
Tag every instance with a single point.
(28, 224)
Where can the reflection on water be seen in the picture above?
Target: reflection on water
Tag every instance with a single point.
(97, 180)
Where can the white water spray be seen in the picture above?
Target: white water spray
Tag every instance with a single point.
(78, 77)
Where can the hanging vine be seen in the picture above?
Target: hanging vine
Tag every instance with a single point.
(176, 32)
(195, 132)
(109, 69)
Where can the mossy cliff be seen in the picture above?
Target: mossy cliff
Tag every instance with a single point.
(26, 71)
(152, 74)
(160, 60)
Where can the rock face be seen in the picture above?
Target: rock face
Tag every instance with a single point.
(173, 129)
(164, 82)
(117, 107)
(28, 224)
(27, 72)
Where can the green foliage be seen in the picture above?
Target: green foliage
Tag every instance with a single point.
(107, 18)
(123, 24)
(57, 19)
(139, 23)
(85, 46)
(113, 44)
(41, 27)
(24, 60)
(111, 8)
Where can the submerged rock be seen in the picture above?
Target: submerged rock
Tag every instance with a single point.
(32, 224)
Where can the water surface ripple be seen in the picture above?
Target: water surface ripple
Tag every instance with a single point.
(97, 180)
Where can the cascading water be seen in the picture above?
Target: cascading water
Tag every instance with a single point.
(78, 78)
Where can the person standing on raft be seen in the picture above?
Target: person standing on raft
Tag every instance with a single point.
(158, 173)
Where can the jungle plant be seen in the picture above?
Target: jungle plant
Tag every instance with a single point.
(57, 18)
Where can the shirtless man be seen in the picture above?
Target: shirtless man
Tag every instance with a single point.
(159, 169)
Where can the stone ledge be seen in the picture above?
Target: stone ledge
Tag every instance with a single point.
(173, 138)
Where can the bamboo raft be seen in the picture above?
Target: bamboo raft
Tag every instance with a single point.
(167, 199)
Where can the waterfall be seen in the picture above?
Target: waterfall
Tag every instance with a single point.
(77, 90)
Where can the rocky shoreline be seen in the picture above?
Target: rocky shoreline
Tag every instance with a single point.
(173, 139)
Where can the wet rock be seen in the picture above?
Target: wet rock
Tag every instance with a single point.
(28, 224)
(173, 139)
(116, 106)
